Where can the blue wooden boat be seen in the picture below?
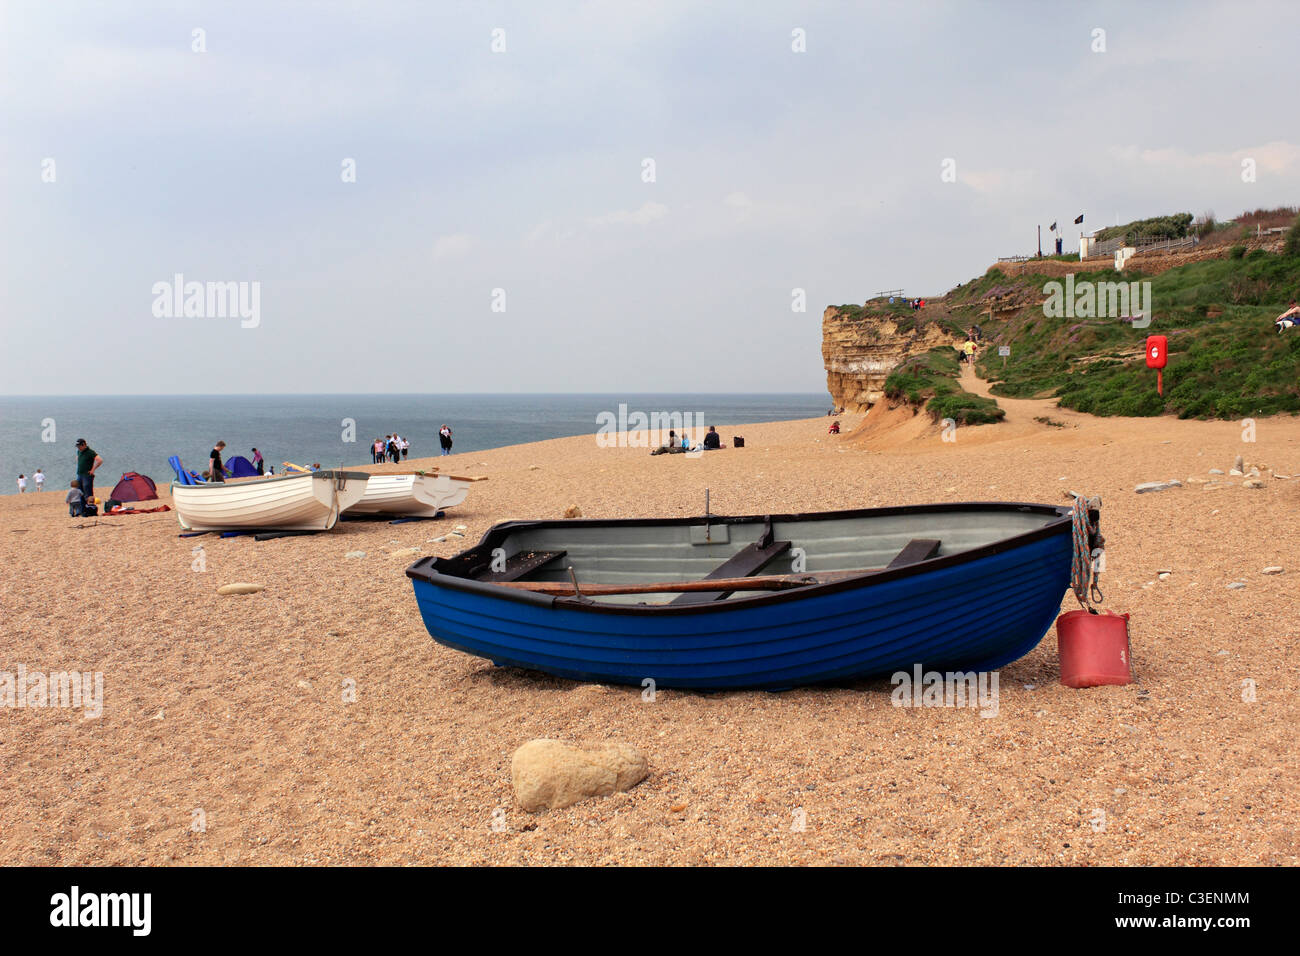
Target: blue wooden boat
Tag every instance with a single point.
(762, 601)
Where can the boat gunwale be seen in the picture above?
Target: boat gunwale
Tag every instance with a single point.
(425, 568)
(258, 480)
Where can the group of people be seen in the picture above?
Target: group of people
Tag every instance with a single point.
(391, 447)
(916, 304)
(217, 467)
(38, 479)
(81, 492)
(971, 346)
(676, 444)
(395, 448)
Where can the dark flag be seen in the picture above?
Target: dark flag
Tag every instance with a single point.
(1079, 220)
(1052, 228)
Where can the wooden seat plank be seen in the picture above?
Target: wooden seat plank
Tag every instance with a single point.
(520, 564)
(748, 560)
(918, 549)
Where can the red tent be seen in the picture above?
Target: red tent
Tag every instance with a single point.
(134, 487)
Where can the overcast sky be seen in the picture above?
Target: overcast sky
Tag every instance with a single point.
(524, 170)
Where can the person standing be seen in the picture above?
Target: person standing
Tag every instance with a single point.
(406, 446)
(216, 470)
(258, 463)
(88, 462)
(40, 480)
(75, 499)
(22, 484)
(444, 439)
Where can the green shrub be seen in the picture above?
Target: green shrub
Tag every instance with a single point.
(1175, 227)
(1292, 247)
(1237, 252)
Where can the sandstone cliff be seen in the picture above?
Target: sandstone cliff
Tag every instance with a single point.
(861, 345)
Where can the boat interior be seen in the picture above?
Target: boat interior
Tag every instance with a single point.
(608, 556)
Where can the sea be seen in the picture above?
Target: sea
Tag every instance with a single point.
(140, 432)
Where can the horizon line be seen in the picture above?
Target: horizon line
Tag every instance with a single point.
(365, 394)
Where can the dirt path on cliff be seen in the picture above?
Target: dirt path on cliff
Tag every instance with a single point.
(888, 428)
(1022, 411)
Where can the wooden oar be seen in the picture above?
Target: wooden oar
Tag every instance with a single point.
(768, 582)
(431, 473)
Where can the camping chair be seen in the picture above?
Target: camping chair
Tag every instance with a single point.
(183, 476)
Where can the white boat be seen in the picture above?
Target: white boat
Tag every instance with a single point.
(412, 495)
(311, 502)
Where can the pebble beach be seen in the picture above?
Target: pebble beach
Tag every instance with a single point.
(315, 722)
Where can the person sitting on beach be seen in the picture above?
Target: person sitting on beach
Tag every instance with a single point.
(217, 469)
(835, 428)
(1289, 319)
(712, 440)
(40, 480)
(672, 446)
(75, 499)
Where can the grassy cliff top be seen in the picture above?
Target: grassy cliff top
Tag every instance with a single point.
(1226, 358)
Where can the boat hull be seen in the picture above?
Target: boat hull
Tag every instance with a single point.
(975, 609)
(411, 495)
(310, 502)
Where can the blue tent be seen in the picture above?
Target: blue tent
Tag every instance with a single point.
(240, 467)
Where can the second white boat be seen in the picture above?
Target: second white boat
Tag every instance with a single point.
(409, 495)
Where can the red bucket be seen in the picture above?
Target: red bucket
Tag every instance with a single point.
(1093, 649)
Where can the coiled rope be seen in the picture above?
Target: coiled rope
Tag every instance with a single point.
(1084, 576)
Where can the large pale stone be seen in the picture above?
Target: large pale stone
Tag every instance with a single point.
(551, 774)
(240, 588)
(1156, 486)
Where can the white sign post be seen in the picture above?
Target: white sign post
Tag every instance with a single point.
(1004, 351)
